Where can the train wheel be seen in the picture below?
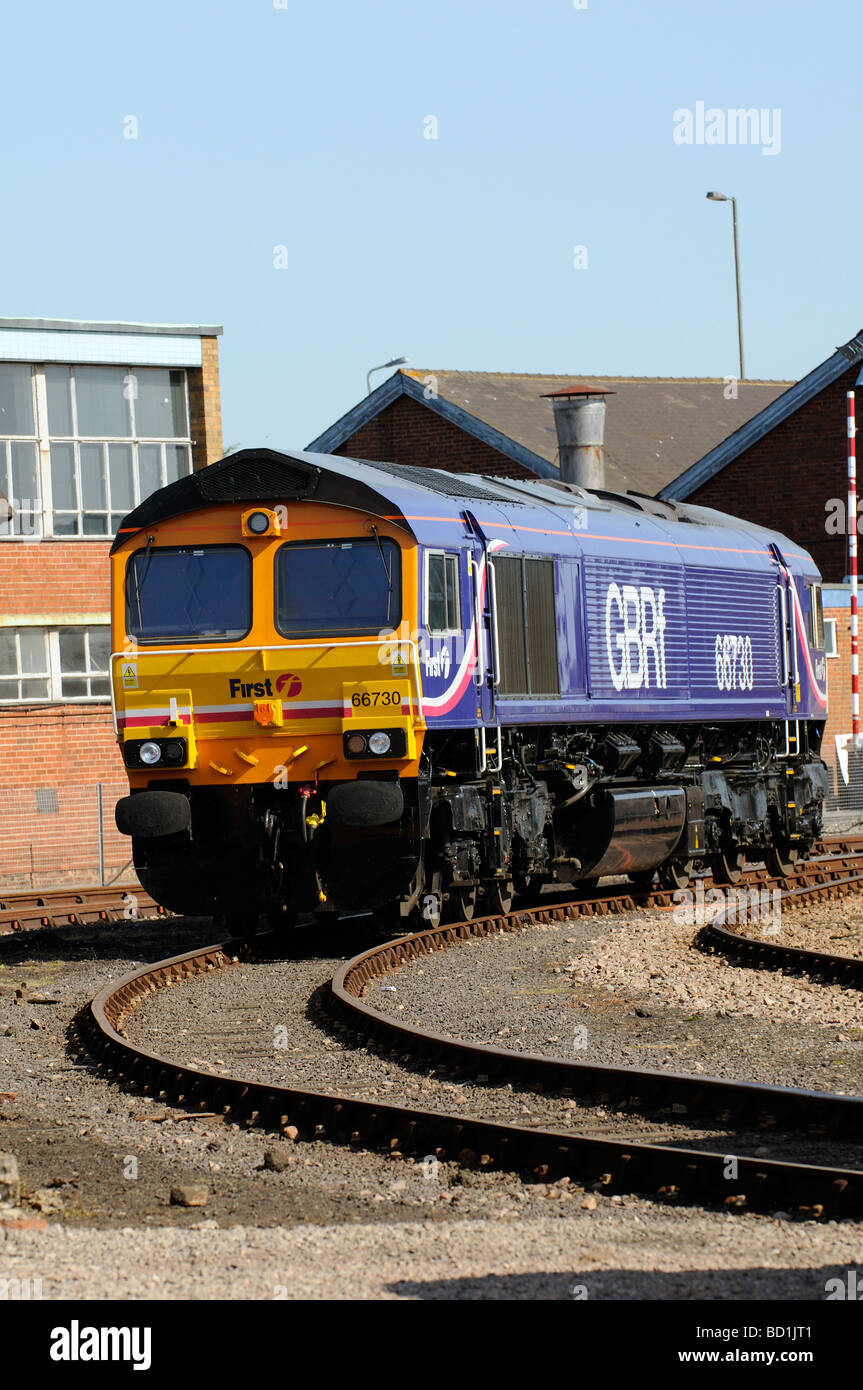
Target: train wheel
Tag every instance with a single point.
(728, 866)
(242, 925)
(643, 881)
(781, 859)
(461, 906)
(431, 901)
(499, 896)
(676, 874)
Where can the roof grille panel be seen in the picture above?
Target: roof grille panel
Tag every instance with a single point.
(449, 484)
(256, 479)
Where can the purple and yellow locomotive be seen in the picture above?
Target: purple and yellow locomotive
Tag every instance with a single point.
(342, 685)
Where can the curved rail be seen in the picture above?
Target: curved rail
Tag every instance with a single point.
(658, 1170)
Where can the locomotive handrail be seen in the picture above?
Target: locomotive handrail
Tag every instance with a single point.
(784, 642)
(493, 605)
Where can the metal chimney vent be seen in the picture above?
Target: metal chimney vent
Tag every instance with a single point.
(579, 418)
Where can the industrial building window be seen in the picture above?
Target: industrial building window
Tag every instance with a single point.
(110, 437)
(831, 646)
(84, 656)
(442, 607)
(113, 437)
(527, 626)
(54, 664)
(19, 483)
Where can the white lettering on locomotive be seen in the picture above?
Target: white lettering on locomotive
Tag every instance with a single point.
(735, 664)
(635, 633)
(438, 663)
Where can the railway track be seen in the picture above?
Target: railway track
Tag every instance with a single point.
(663, 1171)
(81, 906)
(87, 905)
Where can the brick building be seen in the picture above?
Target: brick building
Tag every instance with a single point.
(500, 423)
(93, 417)
(787, 468)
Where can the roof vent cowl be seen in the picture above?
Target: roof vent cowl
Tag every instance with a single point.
(579, 418)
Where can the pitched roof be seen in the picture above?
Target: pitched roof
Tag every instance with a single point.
(655, 427)
(766, 420)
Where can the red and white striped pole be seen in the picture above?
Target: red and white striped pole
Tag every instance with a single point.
(852, 567)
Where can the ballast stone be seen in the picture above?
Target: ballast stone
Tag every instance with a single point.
(190, 1195)
(10, 1180)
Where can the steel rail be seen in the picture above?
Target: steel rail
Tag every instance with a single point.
(668, 1172)
(634, 1089)
(74, 906)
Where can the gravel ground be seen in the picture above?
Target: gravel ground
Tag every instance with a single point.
(828, 927)
(330, 1222)
(619, 1254)
(646, 996)
(655, 960)
(252, 1020)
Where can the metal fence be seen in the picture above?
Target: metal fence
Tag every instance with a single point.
(52, 836)
(844, 805)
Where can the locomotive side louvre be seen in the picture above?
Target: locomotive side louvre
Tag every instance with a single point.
(448, 689)
(734, 637)
(636, 630)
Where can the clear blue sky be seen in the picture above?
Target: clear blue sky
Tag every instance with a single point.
(304, 126)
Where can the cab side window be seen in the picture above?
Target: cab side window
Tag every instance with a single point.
(816, 617)
(442, 605)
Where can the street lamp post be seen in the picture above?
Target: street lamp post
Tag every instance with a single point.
(724, 198)
(393, 362)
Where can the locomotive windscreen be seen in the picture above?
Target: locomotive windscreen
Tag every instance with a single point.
(331, 588)
(203, 593)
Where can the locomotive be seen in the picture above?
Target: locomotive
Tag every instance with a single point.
(342, 686)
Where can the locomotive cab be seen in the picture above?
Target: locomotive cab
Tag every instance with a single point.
(269, 751)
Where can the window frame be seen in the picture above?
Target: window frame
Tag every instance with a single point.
(44, 528)
(445, 555)
(190, 637)
(831, 651)
(323, 541)
(816, 615)
(55, 673)
(6, 489)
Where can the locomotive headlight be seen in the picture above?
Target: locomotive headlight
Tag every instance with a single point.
(356, 744)
(150, 753)
(258, 523)
(379, 744)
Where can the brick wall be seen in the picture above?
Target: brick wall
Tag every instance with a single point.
(838, 685)
(785, 479)
(48, 744)
(62, 752)
(45, 577)
(205, 406)
(409, 432)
